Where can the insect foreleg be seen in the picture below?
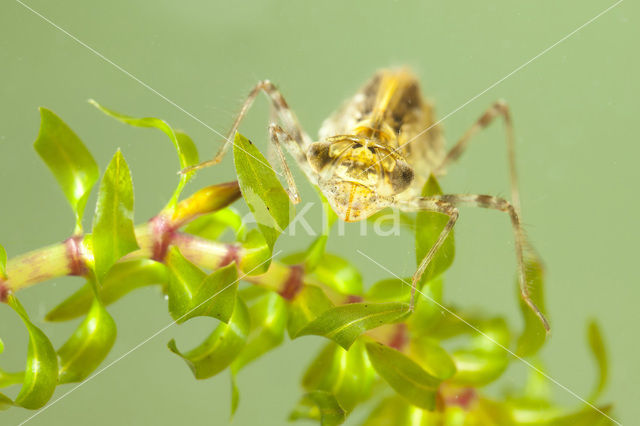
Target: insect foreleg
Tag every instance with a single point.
(282, 110)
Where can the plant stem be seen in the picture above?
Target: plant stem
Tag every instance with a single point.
(73, 257)
(57, 260)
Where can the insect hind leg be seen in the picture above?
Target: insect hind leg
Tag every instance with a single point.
(448, 204)
(498, 109)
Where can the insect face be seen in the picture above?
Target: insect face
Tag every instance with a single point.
(358, 176)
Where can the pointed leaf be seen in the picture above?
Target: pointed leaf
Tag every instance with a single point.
(433, 358)
(534, 334)
(5, 402)
(68, 159)
(235, 395)
(213, 225)
(41, 372)
(428, 311)
(320, 405)
(316, 251)
(113, 233)
(192, 293)
(122, 278)
(429, 225)
(396, 411)
(268, 321)
(585, 417)
(391, 289)
(9, 379)
(333, 271)
(345, 323)
(347, 374)
(219, 349)
(307, 305)
(187, 152)
(88, 346)
(596, 343)
(339, 274)
(261, 189)
(484, 360)
(404, 375)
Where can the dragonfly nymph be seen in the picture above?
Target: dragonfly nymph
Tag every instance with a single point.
(378, 150)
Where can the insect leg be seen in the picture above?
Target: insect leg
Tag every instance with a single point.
(284, 113)
(500, 204)
(431, 204)
(278, 136)
(499, 108)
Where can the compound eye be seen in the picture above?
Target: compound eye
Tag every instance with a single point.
(318, 155)
(401, 176)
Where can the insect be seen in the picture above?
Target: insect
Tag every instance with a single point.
(377, 151)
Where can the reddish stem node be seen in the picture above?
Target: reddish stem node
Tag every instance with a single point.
(352, 298)
(233, 255)
(163, 231)
(4, 292)
(293, 284)
(77, 262)
(400, 337)
(463, 398)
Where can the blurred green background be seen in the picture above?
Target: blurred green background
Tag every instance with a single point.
(574, 108)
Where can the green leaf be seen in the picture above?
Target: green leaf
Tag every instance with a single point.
(268, 321)
(596, 343)
(5, 402)
(68, 159)
(345, 323)
(485, 359)
(316, 251)
(347, 374)
(192, 293)
(187, 152)
(339, 274)
(405, 219)
(428, 311)
(333, 271)
(585, 417)
(88, 346)
(3, 264)
(432, 357)
(261, 189)
(308, 304)
(404, 375)
(9, 379)
(396, 411)
(122, 278)
(320, 405)
(221, 347)
(113, 233)
(213, 225)
(534, 334)
(41, 372)
(235, 395)
(390, 289)
(255, 258)
(429, 225)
